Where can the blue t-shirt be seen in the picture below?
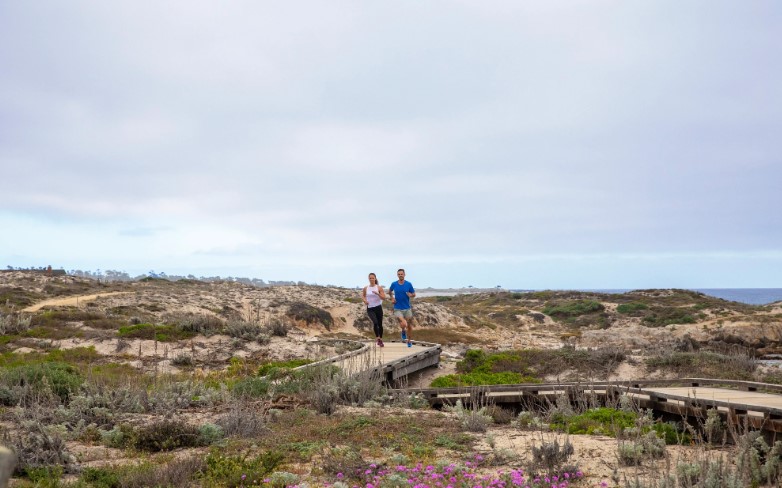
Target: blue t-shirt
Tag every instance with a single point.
(400, 293)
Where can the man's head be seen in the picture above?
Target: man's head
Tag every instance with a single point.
(400, 273)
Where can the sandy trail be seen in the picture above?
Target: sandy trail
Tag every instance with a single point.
(70, 301)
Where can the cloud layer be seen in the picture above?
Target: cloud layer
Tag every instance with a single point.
(321, 139)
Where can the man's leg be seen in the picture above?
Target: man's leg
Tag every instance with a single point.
(409, 327)
(402, 324)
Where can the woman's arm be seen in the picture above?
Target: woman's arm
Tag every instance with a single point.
(364, 295)
(381, 293)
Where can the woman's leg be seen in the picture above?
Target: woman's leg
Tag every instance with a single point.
(380, 321)
(372, 312)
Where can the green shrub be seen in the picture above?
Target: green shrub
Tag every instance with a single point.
(202, 324)
(59, 378)
(100, 478)
(138, 331)
(251, 387)
(119, 437)
(37, 447)
(479, 368)
(662, 316)
(79, 355)
(266, 368)
(600, 421)
(309, 314)
(166, 435)
(209, 434)
(479, 378)
(631, 308)
(573, 308)
(45, 476)
(670, 434)
(705, 364)
(14, 323)
(161, 333)
(240, 470)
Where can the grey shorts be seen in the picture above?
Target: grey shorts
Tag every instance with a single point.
(406, 313)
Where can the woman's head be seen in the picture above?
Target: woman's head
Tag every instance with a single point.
(372, 279)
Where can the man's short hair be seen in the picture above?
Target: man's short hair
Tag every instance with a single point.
(400, 269)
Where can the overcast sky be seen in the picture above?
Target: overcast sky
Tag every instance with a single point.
(546, 144)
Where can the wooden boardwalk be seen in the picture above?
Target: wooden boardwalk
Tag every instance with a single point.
(738, 402)
(390, 363)
(758, 405)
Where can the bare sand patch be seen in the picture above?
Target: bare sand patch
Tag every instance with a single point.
(74, 301)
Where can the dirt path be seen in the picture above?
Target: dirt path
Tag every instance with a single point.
(69, 301)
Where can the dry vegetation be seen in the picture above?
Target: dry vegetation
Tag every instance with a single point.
(159, 383)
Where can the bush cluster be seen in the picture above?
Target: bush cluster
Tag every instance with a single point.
(479, 368)
(310, 314)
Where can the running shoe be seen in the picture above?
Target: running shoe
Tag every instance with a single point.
(380, 343)
(409, 344)
(404, 335)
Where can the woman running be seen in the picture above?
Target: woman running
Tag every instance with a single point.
(374, 295)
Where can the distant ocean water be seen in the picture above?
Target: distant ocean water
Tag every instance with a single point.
(752, 296)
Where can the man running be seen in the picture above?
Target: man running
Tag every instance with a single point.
(401, 292)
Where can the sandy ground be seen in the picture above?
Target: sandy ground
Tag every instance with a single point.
(594, 454)
(74, 301)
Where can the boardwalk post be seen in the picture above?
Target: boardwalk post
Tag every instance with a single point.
(7, 465)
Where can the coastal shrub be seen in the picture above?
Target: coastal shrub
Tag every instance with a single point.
(174, 395)
(64, 315)
(100, 477)
(209, 434)
(551, 457)
(310, 314)
(166, 435)
(344, 462)
(598, 421)
(197, 324)
(161, 333)
(253, 387)
(14, 323)
(249, 331)
(573, 308)
(478, 378)
(278, 327)
(472, 419)
(179, 471)
(240, 470)
(633, 452)
(118, 437)
(242, 420)
(599, 361)
(266, 368)
(30, 380)
(704, 364)
(457, 475)
(757, 461)
(662, 316)
(37, 447)
(16, 297)
(479, 368)
(183, 360)
(631, 308)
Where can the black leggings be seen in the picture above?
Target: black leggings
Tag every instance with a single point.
(376, 316)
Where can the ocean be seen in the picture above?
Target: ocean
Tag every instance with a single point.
(752, 296)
